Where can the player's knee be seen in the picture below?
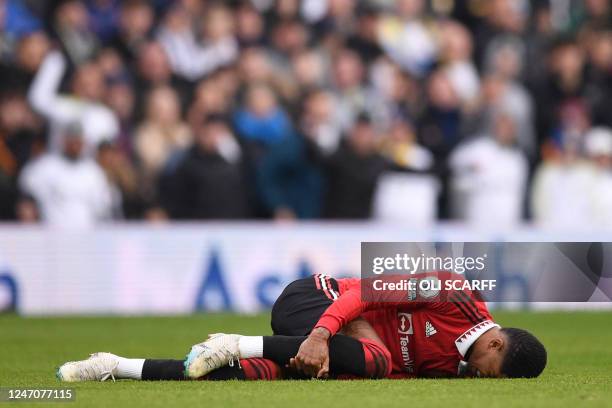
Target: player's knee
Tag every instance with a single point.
(377, 358)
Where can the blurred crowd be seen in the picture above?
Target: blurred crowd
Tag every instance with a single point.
(490, 112)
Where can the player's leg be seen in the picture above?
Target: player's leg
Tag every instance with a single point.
(347, 356)
(361, 356)
(245, 369)
(357, 351)
(300, 305)
(294, 314)
(104, 366)
(101, 366)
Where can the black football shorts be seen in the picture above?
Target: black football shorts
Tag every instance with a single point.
(299, 307)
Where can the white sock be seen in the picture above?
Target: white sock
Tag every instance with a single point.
(250, 346)
(130, 368)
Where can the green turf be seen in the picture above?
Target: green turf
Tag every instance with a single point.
(579, 372)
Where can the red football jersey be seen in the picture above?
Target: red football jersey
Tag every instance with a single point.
(427, 332)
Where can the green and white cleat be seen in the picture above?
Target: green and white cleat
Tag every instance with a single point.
(98, 367)
(218, 351)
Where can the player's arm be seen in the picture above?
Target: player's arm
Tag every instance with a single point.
(313, 355)
(360, 329)
(361, 298)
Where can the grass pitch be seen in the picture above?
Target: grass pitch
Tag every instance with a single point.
(579, 372)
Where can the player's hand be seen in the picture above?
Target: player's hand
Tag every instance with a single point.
(312, 358)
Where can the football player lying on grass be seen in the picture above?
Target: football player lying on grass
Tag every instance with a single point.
(323, 328)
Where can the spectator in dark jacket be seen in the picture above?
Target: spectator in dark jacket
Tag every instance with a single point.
(353, 172)
(289, 184)
(209, 181)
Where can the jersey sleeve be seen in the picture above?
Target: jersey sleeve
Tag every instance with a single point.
(360, 297)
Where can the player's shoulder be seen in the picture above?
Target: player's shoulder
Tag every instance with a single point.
(457, 300)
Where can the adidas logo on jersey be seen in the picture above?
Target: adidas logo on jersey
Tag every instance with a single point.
(429, 329)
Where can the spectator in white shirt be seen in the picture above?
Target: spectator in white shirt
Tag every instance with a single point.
(83, 106)
(598, 148)
(70, 190)
(190, 58)
(394, 200)
(407, 39)
(573, 191)
(456, 52)
(489, 177)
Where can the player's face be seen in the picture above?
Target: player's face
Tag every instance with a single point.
(487, 357)
(489, 367)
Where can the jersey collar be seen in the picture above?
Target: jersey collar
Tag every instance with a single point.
(465, 341)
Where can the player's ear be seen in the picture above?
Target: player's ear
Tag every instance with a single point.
(496, 343)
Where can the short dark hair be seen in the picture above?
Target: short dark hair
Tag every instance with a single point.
(525, 356)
